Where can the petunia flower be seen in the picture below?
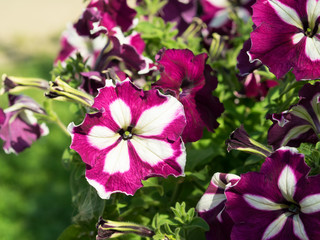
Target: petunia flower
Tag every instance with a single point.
(300, 123)
(101, 16)
(279, 202)
(135, 135)
(211, 206)
(18, 126)
(191, 81)
(216, 14)
(72, 43)
(287, 37)
(180, 12)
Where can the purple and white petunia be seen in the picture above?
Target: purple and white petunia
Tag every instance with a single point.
(135, 135)
(301, 123)
(287, 37)
(18, 126)
(279, 202)
(216, 14)
(191, 81)
(72, 43)
(211, 206)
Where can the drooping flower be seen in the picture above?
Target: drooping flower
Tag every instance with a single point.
(211, 206)
(240, 140)
(300, 123)
(287, 37)
(279, 202)
(134, 136)
(191, 81)
(18, 126)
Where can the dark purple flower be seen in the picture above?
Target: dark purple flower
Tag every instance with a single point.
(287, 37)
(211, 206)
(300, 123)
(189, 79)
(279, 202)
(180, 12)
(18, 126)
(101, 16)
(135, 135)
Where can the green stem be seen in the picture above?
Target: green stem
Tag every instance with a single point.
(62, 126)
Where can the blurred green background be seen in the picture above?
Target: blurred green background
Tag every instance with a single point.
(34, 186)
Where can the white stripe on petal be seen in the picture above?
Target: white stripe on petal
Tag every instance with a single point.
(151, 151)
(261, 203)
(101, 137)
(287, 183)
(219, 19)
(312, 48)
(120, 113)
(100, 189)
(298, 228)
(310, 204)
(286, 13)
(276, 226)
(313, 12)
(296, 38)
(117, 160)
(209, 201)
(154, 120)
(220, 3)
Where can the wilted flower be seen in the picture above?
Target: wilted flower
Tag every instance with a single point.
(18, 126)
(280, 202)
(287, 37)
(61, 91)
(109, 229)
(240, 140)
(136, 135)
(300, 123)
(191, 81)
(16, 84)
(211, 206)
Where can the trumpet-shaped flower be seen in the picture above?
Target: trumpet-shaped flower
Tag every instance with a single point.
(191, 81)
(211, 206)
(301, 123)
(18, 126)
(280, 202)
(287, 37)
(134, 136)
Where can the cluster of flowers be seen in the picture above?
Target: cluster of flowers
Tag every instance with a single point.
(136, 134)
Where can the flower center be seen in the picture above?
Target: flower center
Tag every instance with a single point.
(308, 30)
(126, 134)
(294, 208)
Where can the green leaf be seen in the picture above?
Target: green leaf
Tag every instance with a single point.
(76, 231)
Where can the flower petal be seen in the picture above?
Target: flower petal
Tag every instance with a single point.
(102, 137)
(286, 13)
(310, 204)
(298, 228)
(210, 201)
(261, 203)
(120, 113)
(287, 183)
(152, 151)
(312, 48)
(117, 159)
(276, 226)
(154, 120)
